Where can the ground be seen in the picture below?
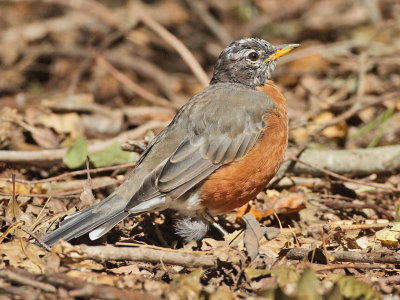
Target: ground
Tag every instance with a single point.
(98, 79)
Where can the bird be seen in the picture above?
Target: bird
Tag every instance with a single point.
(219, 151)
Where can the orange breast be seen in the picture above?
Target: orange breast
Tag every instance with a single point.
(235, 184)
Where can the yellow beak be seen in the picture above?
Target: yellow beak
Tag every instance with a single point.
(282, 50)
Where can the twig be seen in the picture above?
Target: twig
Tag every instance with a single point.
(67, 193)
(192, 260)
(390, 279)
(350, 256)
(13, 277)
(76, 287)
(138, 115)
(73, 173)
(5, 219)
(358, 162)
(119, 58)
(344, 178)
(341, 205)
(149, 96)
(334, 226)
(167, 83)
(137, 244)
(58, 154)
(23, 293)
(79, 288)
(184, 52)
(199, 7)
(360, 226)
(357, 107)
(330, 267)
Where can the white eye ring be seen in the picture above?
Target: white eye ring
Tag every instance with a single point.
(253, 56)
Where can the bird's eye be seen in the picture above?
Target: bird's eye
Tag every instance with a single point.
(253, 56)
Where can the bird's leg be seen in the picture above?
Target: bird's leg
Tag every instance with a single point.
(210, 219)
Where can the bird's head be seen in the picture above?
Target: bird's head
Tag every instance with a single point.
(248, 61)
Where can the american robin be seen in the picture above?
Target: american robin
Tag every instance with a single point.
(218, 153)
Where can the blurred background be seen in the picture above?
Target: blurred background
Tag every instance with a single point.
(89, 77)
(98, 68)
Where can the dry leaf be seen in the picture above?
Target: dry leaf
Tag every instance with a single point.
(131, 270)
(94, 278)
(69, 123)
(68, 252)
(13, 253)
(252, 236)
(388, 237)
(87, 197)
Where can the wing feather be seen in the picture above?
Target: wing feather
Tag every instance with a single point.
(210, 140)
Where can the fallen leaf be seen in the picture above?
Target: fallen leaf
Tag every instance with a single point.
(285, 275)
(112, 155)
(131, 270)
(274, 247)
(363, 242)
(186, 286)
(353, 288)
(256, 273)
(67, 252)
(388, 237)
(236, 239)
(336, 131)
(13, 253)
(274, 201)
(76, 154)
(100, 124)
(7, 127)
(252, 235)
(312, 62)
(94, 278)
(308, 286)
(334, 293)
(219, 293)
(87, 197)
(229, 254)
(69, 123)
(87, 264)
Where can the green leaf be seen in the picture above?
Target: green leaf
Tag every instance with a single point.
(76, 154)
(308, 286)
(353, 288)
(112, 155)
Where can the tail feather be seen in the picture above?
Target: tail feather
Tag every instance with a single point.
(112, 208)
(106, 227)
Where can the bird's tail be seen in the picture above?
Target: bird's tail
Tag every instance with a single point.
(97, 220)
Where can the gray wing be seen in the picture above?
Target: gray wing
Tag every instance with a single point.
(198, 157)
(215, 131)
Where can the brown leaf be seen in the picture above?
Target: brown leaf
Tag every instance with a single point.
(68, 252)
(252, 236)
(7, 127)
(14, 254)
(131, 270)
(87, 197)
(45, 137)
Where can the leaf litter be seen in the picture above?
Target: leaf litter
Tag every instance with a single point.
(55, 96)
